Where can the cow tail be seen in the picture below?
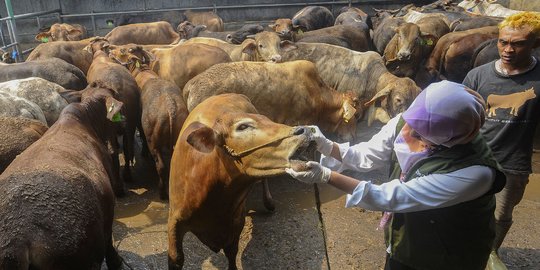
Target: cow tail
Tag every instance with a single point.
(441, 63)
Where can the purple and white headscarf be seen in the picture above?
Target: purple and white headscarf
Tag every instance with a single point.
(446, 113)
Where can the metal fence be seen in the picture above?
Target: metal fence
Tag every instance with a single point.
(12, 39)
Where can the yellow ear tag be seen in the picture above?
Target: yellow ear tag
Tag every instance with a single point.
(429, 42)
(137, 64)
(348, 112)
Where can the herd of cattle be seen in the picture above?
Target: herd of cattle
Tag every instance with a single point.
(215, 110)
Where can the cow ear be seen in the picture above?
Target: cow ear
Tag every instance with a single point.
(43, 37)
(428, 40)
(379, 96)
(273, 26)
(249, 47)
(202, 138)
(113, 109)
(287, 45)
(73, 33)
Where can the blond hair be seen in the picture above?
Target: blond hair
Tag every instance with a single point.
(522, 19)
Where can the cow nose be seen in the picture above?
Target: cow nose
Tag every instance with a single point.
(276, 58)
(404, 56)
(299, 131)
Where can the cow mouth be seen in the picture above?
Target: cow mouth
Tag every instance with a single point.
(299, 158)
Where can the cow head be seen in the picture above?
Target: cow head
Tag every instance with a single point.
(131, 55)
(284, 28)
(239, 36)
(187, 30)
(394, 98)
(97, 44)
(267, 47)
(60, 32)
(98, 92)
(251, 142)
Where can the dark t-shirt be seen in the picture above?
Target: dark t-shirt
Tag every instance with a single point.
(513, 108)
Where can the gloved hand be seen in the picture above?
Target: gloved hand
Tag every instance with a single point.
(316, 173)
(324, 145)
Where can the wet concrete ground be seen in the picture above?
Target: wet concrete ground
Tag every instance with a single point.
(310, 229)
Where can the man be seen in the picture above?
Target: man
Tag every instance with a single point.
(511, 87)
(444, 178)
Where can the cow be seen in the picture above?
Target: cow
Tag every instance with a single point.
(242, 52)
(474, 22)
(106, 73)
(143, 33)
(224, 147)
(181, 63)
(62, 32)
(412, 44)
(238, 36)
(352, 16)
(174, 17)
(363, 73)
(312, 18)
(43, 93)
(54, 70)
(163, 109)
(16, 134)
(290, 93)
(57, 204)
(450, 59)
(486, 8)
(385, 31)
(413, 16)
(212, 21)
(187, 30)
(14, 106)
(69, 51)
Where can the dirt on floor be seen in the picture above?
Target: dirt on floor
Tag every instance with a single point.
(309, 229)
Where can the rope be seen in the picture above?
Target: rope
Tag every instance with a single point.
(235, 154)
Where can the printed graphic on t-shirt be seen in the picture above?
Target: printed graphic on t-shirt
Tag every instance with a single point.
(510, 102)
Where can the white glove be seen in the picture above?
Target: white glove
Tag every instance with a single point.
(324, 145)
(317, 173)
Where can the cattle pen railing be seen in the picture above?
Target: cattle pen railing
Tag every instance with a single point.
(12, 40)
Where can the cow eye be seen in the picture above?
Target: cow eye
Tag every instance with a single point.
(242, 127)
(260, 45)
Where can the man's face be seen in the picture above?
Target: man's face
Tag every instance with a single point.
(515, 46)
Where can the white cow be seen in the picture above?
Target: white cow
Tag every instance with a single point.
(487, 8)
(39, 91)
(14, 106)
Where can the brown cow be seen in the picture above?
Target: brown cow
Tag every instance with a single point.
(242, 52)
(69, 51)
(163, 109)
(412, 44)
(62, 32)
(347, 70)
(312, 18)
(106, 73)
(290, 93)
(212, 21)
(450, 59)
(16, 134)
(143, 33)
(183, 62)
(57, 204)
(224, 147)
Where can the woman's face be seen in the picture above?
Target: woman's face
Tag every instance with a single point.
(417, 136)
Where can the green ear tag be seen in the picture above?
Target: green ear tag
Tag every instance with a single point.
(429, 42)
(117, 117)
(300, 31)
(44, 39)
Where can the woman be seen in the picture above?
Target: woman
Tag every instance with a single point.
(444, 178)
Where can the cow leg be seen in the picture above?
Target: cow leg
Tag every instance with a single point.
(176, 234)
(113, 260)
(118, 184)
(267, 197)
(231, 251)
(128, 140)
(163, 174)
